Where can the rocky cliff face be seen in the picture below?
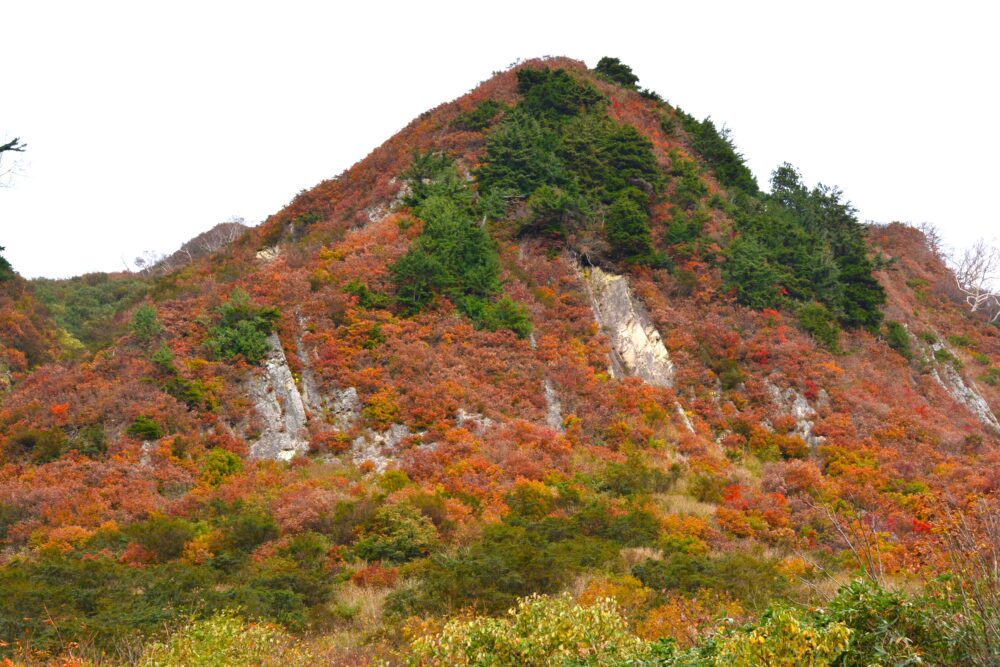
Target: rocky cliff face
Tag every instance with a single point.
(636, 346)
(279, 406)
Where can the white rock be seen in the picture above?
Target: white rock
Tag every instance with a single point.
(278, 403)
(636, 346)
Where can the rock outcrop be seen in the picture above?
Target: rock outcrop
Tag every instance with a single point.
(636, 346)
(797, 405)
(279, 405)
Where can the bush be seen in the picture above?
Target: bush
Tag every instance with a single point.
(898, 338)
(783, 638)
(243, 329)
(144, 428)
(479, 118)
(539, 631)
(145, 324)
(816, 320)
(41, 445)
(615, 70)
(226, 639)
(219, 465)
(554, 95)
(396, 534)
(627, 229)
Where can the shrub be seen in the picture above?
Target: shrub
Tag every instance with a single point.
(479, 118)
(41, 445)
(219, 465)
(898, 338)
(554, 94)
(144, 428)
(627, 229)
(226, 639)
(539, 631)
(163, 536)
(817, 320)
(717, 149)
(145, 324)
(243, 329)
(783, 638)
(615, 70)
(396, 534)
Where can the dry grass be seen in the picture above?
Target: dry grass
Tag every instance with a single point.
(680, 503)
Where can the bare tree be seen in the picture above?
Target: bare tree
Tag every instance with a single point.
(977, 275)
(15, 145)
(934, 241)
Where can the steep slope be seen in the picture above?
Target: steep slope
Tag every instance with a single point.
(604, 390)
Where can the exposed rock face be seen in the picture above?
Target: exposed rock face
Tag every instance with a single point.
(553, 408)
(683, 416)
(967, 396)
(341, 410)
(798, 406)
(636, 346)
(379, 448)
(268, 254)
(279, 405)
(473, 421)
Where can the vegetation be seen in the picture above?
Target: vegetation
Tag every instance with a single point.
(453, 255)
(472, 496)
(800, 245)
(242, 329)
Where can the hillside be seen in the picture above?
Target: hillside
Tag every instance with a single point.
(550, 337)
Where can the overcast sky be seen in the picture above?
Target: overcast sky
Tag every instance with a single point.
(147, 124)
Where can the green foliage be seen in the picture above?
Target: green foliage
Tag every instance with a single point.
(718, 150)
(635, 477)
(479, 118)
(91, 441)
(453, 256)
(817, 320)
(898, 338)
(242, 330)
(748, 577)
(6, 270)
(219, 465)
(551, 211)
(40, 445)
(553, 95)
(145, 325)
(885, 625)
(575, 164)
(521, 157)
(615, 70)
(91, 307)
(783, 638)
(164, 536)
(627, 229)
(689, 188)
(144, 428)
(397, 533)
(539, 631)
(944, 356)
(366, 297)
(226, 639)
(804, 245)
(991, 376)
(504, 313)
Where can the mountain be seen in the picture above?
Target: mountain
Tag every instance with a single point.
(552, 336)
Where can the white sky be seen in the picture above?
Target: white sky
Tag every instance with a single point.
(148, 123)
